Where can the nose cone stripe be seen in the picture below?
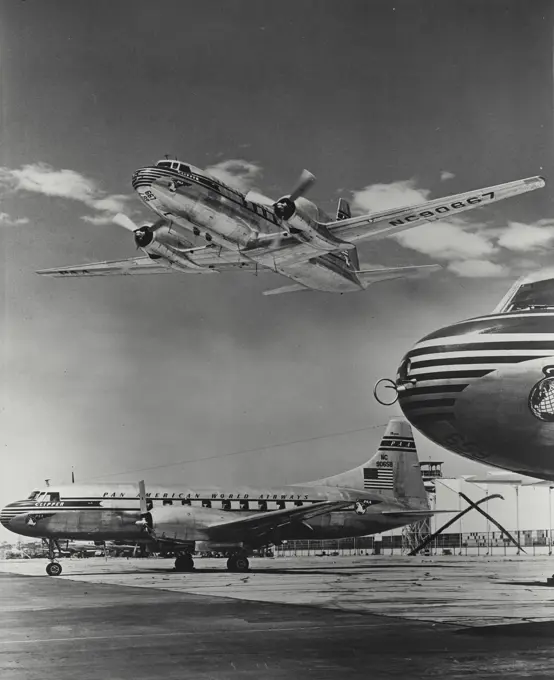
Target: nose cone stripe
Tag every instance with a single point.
(5, 519)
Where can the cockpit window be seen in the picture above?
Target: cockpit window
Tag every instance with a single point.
(34, 495)
(164, 164)
(184, 168)
(536, 295)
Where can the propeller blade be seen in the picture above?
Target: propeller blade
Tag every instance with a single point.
(142, 498)
(304, 183)
(125, 222)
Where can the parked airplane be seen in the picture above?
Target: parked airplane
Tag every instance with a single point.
(384, 493)
(207, 227)
(484, 388)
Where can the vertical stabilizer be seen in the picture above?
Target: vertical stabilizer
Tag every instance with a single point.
(343, 210)
(393, 472)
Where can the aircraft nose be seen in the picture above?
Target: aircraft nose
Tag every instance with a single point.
(480, 390)
(7, 514)
(143, 177)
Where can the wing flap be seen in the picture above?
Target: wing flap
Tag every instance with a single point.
(387, 222)
(135, 265)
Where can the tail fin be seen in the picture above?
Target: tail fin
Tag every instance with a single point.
(343, 210)
(393, 472)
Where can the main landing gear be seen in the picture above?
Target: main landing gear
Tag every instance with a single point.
(53, 568)
(238, 563)
(184, 562)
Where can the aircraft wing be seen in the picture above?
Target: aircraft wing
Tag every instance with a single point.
(134, 265)
(202, 262)
(265, 522)
(387, 222)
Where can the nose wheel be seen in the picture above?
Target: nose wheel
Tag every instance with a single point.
(238, 563)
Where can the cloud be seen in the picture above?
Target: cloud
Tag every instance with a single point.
(385, 196)
(477, 269)
(41, 178)
(450, 240)
(446, 175)
(237, 173)
(447, 241)
(527, 237)
(12, 221)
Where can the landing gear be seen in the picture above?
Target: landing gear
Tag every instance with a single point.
(238, 563)
(184, 563)
(53, 568)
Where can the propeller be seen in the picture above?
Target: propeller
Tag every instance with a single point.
(145, 520)
(143, 235)
(285, 207)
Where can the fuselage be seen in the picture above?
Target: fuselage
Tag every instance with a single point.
(484, 388)
(111, 511)
(193, 203)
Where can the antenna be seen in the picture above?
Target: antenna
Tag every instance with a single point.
(47, 482)
(72, 475)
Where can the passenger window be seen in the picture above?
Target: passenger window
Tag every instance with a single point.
(244, 505)
(298, 503)
(186, 502)
(262, 506)
(281, 505)
(167, 501)
(206, 504)
(226, 505)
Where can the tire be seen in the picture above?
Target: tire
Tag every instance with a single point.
(238, 563)
(184, 563)
(53, 569)
(242, 563)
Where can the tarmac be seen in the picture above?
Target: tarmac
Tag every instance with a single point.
(379, 617)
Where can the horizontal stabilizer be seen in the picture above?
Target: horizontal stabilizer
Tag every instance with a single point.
(369, 276)
(294, 288)
(416, 513)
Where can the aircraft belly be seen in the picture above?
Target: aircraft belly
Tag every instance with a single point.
(99, 524)
(344, 524)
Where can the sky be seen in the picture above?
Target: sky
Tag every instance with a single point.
(202, 380)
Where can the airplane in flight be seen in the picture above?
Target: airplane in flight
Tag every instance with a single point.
(484, 387)
(383, 493)
(206, 227)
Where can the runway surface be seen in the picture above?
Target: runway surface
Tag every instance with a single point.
(377, 617)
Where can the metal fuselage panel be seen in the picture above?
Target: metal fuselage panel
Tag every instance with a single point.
(230, 220)
(110, 512)
(482, 390)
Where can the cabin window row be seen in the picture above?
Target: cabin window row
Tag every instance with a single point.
(225, 504)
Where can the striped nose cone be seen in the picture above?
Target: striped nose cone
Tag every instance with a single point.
(467, 386)
(442, 365)
(144, 177)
